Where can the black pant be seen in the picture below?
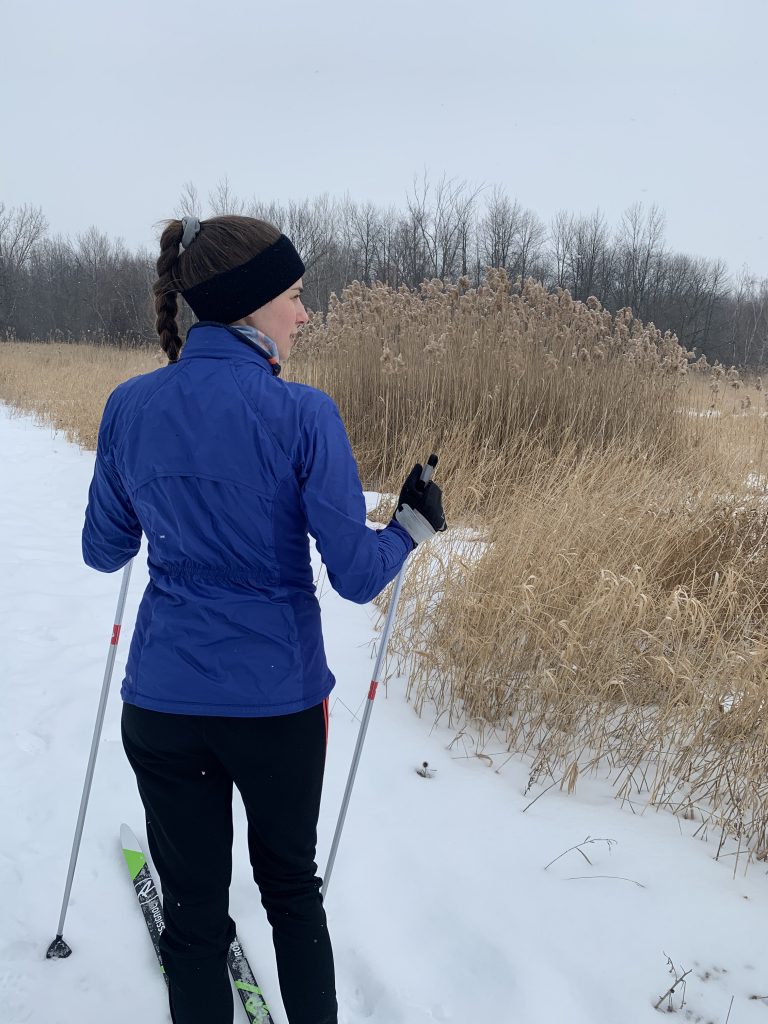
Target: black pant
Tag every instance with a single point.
(185, 766)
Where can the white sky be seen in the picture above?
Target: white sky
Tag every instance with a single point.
(109, 108)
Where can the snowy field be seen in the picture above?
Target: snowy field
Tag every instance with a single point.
(440, 906)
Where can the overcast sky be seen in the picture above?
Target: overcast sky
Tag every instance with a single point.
(108, 108)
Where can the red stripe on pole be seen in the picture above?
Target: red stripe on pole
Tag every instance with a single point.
(372, 690)
(115, 635)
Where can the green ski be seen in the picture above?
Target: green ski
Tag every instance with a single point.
(250, 994)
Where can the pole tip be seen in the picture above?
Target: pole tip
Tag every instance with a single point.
(58, 949)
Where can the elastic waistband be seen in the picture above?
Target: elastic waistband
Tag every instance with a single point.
(214, 574)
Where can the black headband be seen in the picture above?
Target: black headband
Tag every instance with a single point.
(235, 293)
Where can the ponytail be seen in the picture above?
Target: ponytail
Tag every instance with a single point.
(166, 290)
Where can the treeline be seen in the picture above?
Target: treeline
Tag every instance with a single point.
(95, 286)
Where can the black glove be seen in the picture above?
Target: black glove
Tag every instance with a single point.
(420, 507)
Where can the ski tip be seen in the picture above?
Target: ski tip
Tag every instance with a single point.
(128, 840)
(132, 851)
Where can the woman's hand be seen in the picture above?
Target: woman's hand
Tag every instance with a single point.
(420, 507)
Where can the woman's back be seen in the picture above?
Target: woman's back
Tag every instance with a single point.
(226, 469)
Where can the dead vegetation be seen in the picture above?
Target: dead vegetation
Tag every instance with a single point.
(601, 598)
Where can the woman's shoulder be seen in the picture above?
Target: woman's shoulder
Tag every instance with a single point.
(308, 396)
(130, 395)
(140, 387)
(276, 396)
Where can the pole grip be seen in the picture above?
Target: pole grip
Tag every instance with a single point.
(429, 469)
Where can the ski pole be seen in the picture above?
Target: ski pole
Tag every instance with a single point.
(59, 949)
(426, 475)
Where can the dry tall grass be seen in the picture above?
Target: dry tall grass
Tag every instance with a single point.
(66, 386)
(601, 600)
(488, 377)
(611, 615)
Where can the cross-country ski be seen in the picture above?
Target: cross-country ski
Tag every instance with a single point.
(151, 906)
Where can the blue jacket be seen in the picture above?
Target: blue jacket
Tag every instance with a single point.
(226, 469)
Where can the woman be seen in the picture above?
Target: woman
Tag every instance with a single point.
(226, 469)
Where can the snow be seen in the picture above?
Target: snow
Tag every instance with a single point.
(441, 906)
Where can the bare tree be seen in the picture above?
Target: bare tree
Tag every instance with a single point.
(388, 264)
(189, 204)
(529, 246)
(499, 229)
(441, 216)
(747, 330)
(639, 249)
(273, 212)
(21, 228)
(410, 252)
(562, 246)
(311, 225)
(362, 226)
(592, 261)
(222, 200)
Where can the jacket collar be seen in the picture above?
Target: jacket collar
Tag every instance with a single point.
(210, 340)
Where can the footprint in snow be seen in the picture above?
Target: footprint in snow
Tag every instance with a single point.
(30, 743)
(369, 998)
(15, 998)
(441, 1013)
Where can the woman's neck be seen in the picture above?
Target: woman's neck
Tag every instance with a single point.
(257, 337)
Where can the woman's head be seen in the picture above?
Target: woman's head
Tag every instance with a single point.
(232, 270)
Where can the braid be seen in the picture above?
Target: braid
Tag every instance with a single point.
(166, 291)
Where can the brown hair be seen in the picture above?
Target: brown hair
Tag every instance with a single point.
(222, 243)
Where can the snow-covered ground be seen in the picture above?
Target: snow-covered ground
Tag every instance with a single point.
(440, 906)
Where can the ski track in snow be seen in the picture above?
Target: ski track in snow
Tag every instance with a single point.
(439, 906)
